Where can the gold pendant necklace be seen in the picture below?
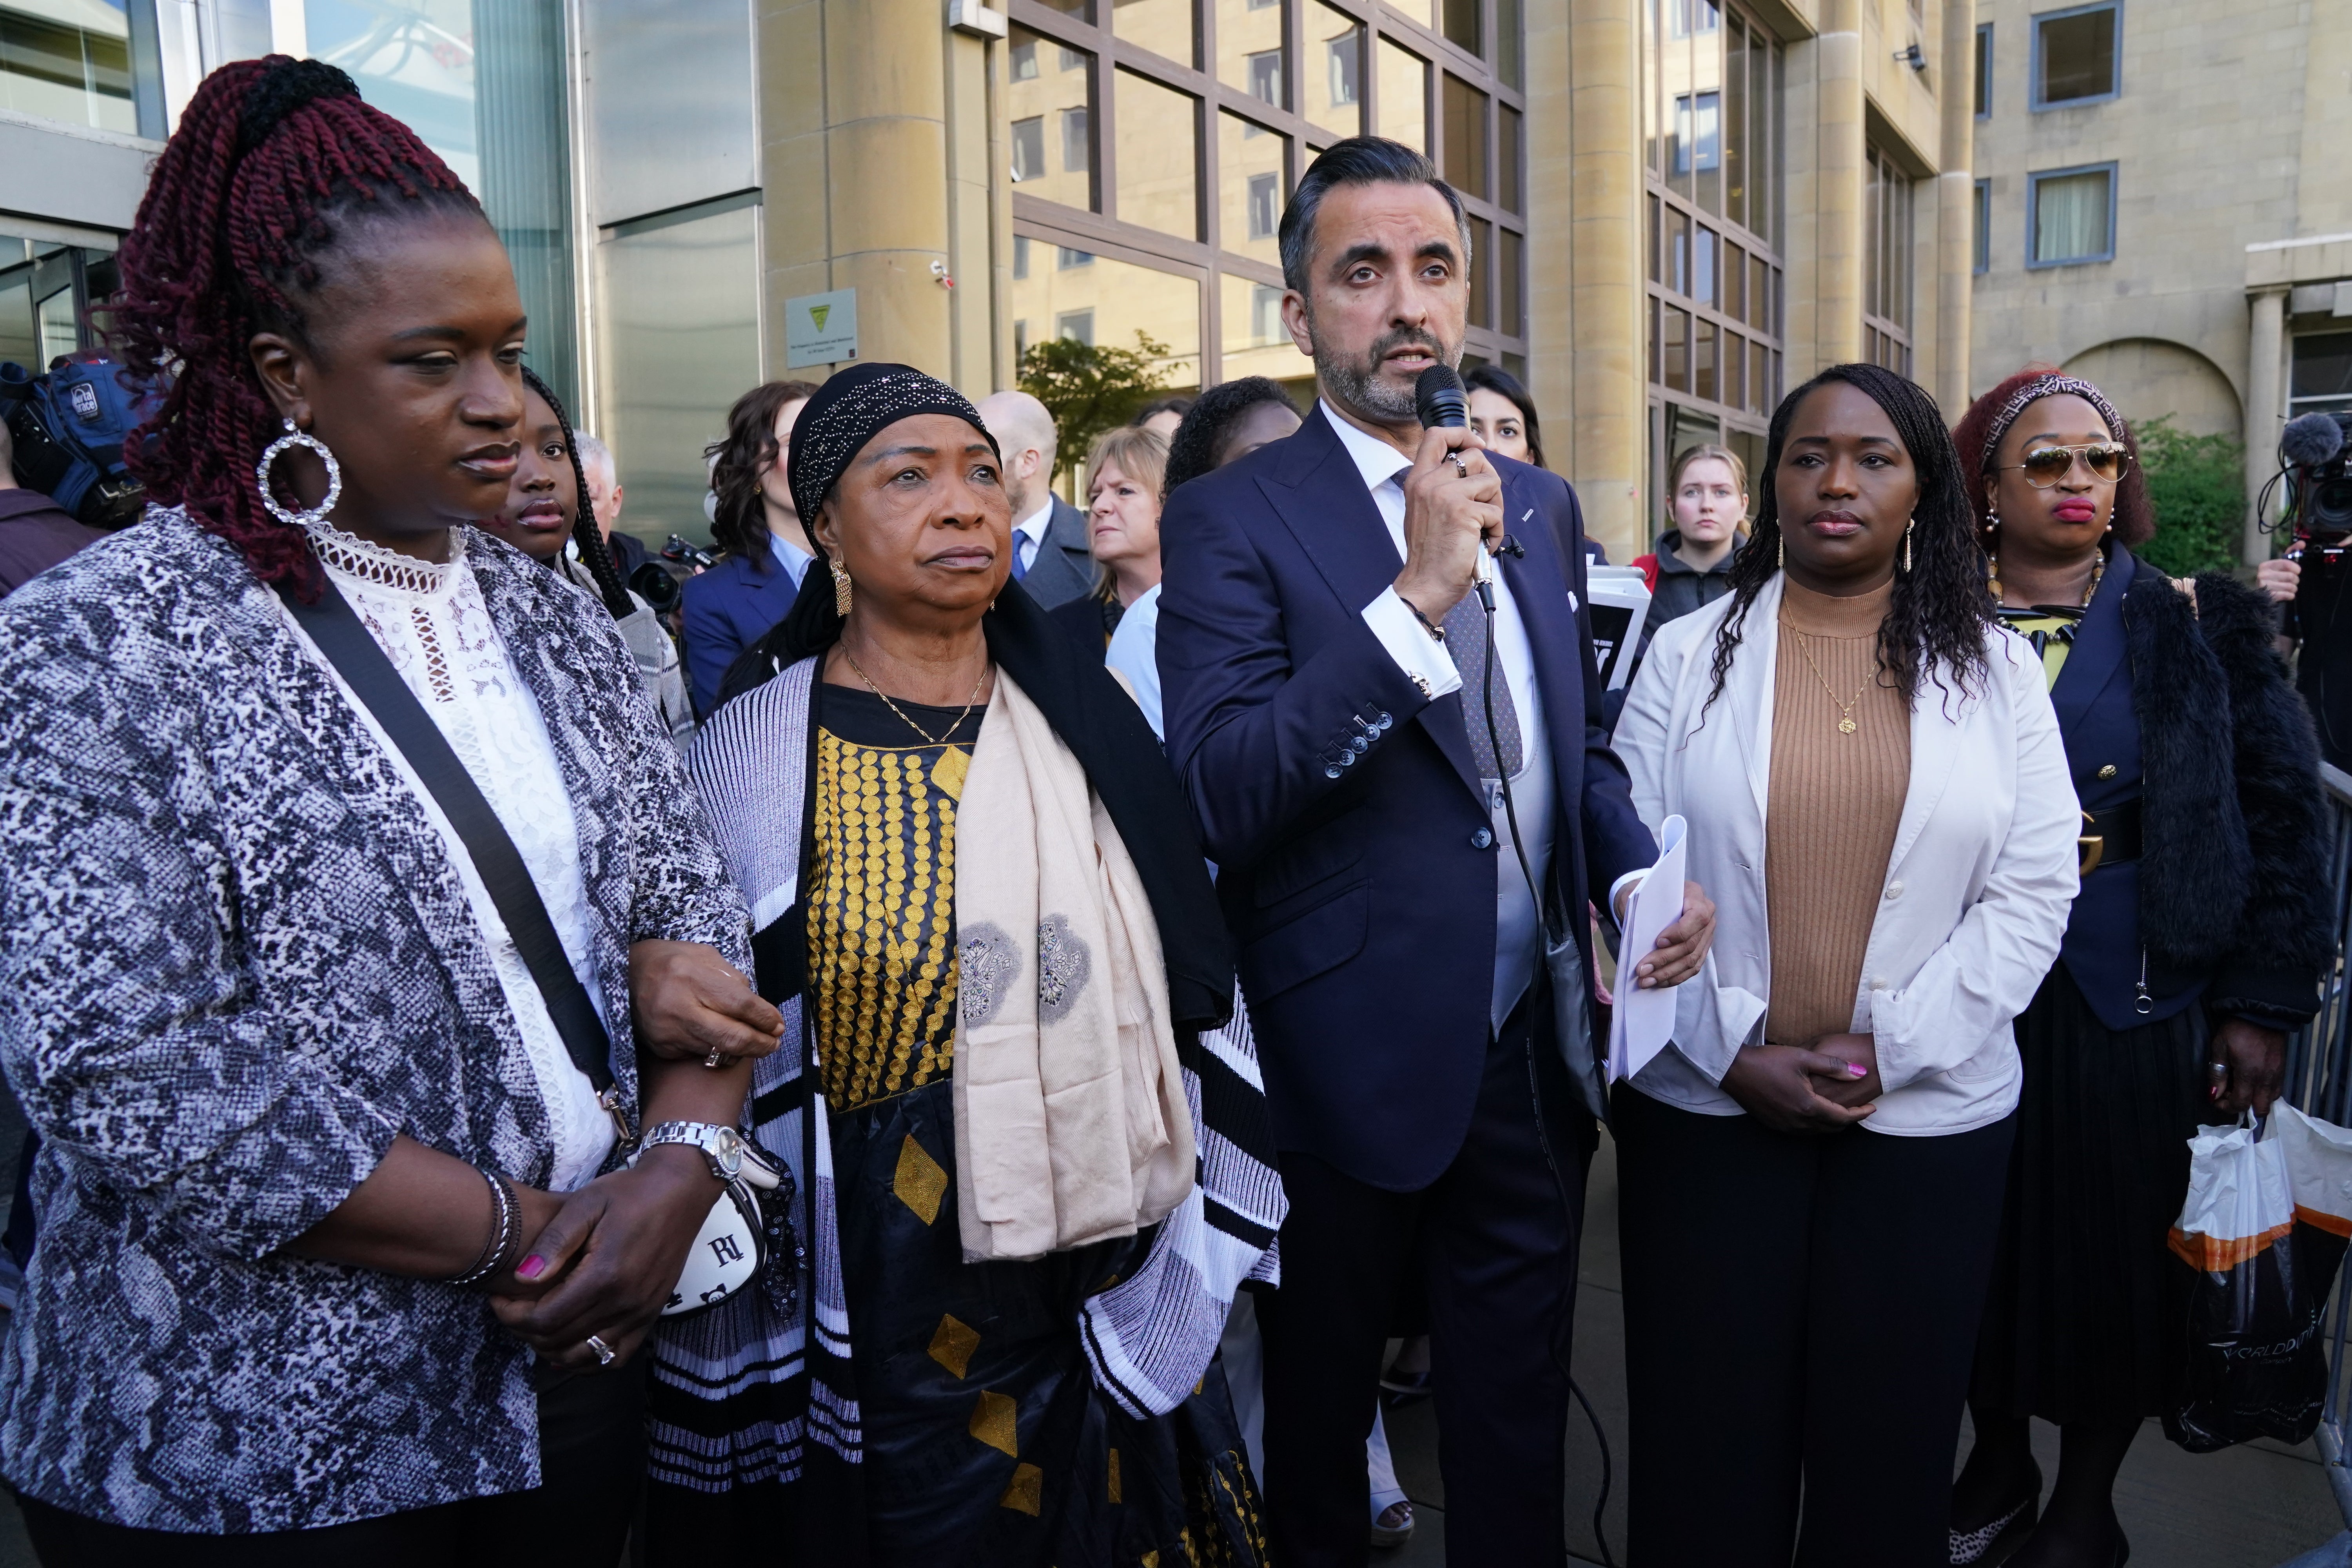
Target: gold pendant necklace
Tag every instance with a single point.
(928, 739)
(1846, 725)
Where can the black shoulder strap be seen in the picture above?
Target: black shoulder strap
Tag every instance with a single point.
(352, 650)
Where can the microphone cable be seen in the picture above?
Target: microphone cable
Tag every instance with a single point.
(1543, 927)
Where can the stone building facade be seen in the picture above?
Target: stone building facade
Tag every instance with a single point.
(2165, 190)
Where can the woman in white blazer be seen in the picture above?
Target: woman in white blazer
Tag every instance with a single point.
(1811, 1177)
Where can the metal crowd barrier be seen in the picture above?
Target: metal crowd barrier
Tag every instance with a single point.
(2319, 1083)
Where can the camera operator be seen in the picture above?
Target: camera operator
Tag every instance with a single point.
(36, 533)
(2311, 580)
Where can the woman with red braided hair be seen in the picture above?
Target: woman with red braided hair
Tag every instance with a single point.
(354, 913)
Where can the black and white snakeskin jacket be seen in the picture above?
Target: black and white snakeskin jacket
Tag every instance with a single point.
(235, 963)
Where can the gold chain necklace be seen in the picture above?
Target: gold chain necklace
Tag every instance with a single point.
(928, 738)
(1846, 725)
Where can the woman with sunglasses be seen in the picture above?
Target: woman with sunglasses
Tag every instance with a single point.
(2195, 945)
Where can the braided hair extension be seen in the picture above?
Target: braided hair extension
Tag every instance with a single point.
(276, 163)
(585, 534)
(1192, 450)
(1938, 617)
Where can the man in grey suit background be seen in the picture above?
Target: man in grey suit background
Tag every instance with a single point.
(1052, 553)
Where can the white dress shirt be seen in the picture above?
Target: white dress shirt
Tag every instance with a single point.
(1519, 934)
(1029, 533)
(1134, 652)
(790, 556)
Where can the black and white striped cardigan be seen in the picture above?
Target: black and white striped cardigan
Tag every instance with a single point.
(745, 1394)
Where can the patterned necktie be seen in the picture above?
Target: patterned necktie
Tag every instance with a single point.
(1500, 754)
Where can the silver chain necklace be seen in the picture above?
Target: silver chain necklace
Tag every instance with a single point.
(372, 563)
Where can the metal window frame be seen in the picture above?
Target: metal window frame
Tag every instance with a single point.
(1981, 242)
(2033, 78)
(1661, 197)
(1203, 258)
(2034, 213)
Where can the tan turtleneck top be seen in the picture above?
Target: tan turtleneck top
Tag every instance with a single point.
(1833, 806)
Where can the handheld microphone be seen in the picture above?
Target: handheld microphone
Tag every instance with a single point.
(1440, 403)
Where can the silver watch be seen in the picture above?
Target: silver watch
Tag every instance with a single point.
(730, 1153)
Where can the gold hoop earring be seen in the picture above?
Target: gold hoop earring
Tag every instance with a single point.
(1908, 530)
(840, 589)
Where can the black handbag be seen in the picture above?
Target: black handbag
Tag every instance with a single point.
(746, 1222)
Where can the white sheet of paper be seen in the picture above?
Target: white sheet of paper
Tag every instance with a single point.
(1642, 1022)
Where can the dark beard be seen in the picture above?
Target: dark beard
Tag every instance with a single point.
(1357, 381)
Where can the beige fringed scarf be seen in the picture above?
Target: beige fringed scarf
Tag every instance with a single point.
(1070, 1120)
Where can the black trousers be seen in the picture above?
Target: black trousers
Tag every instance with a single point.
(1801, 1313)
(591, 1455)
(1494, 1241)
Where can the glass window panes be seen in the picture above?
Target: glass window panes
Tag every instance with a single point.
(1461, 24)
(1255, 343)
(2072, 217)
(1981, 258)
(1405, 97)
(683, 342)
(1677, 349)
(1482, 267)
(1465, 137)
(1511, 277)
(1510, 155)
(1886, 242)
(1249, 50)
(2322, 377)
(69, 62)
(1335, 70)
(2074, 55)
(1984, 69)
(1252, 188)
(1510, 43)
(1051, 111)
(1163, 27)
(1156, 157)
(1105, 302)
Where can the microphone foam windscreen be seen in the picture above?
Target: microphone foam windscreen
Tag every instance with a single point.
(2311, 439)
(1437, 398)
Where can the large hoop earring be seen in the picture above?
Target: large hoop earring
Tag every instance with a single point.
(295, 437)
(840, 589)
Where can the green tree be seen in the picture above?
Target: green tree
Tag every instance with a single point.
(2197, 485)
(1089, 390)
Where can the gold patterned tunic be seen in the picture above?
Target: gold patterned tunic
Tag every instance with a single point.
(882, 885)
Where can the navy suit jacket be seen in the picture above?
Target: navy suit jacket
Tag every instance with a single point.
(1343, 808)
(2095, 717)
(725, 610)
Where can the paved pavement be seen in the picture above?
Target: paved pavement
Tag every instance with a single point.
(2251, 1507)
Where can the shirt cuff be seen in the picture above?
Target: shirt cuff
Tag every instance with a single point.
(1422, 657)
(1629, 879)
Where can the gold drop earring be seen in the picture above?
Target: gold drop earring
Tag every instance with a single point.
(840, 589)
(1780, 550)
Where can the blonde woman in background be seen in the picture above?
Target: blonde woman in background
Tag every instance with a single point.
(1124, 469)
(1706, 497)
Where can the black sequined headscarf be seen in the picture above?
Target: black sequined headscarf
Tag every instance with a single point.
(848, 411)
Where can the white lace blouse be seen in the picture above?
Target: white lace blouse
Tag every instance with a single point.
(433, 627)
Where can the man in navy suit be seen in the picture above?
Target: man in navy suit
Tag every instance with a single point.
(1325, 664)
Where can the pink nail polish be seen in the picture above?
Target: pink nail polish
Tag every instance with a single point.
(532, 1267)
(1855, 1069)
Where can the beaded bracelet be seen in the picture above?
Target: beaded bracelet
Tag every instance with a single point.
(506, 1233)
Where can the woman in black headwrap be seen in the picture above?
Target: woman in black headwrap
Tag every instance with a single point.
(978, 898)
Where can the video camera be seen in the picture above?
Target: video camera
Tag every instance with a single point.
(70, 428)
